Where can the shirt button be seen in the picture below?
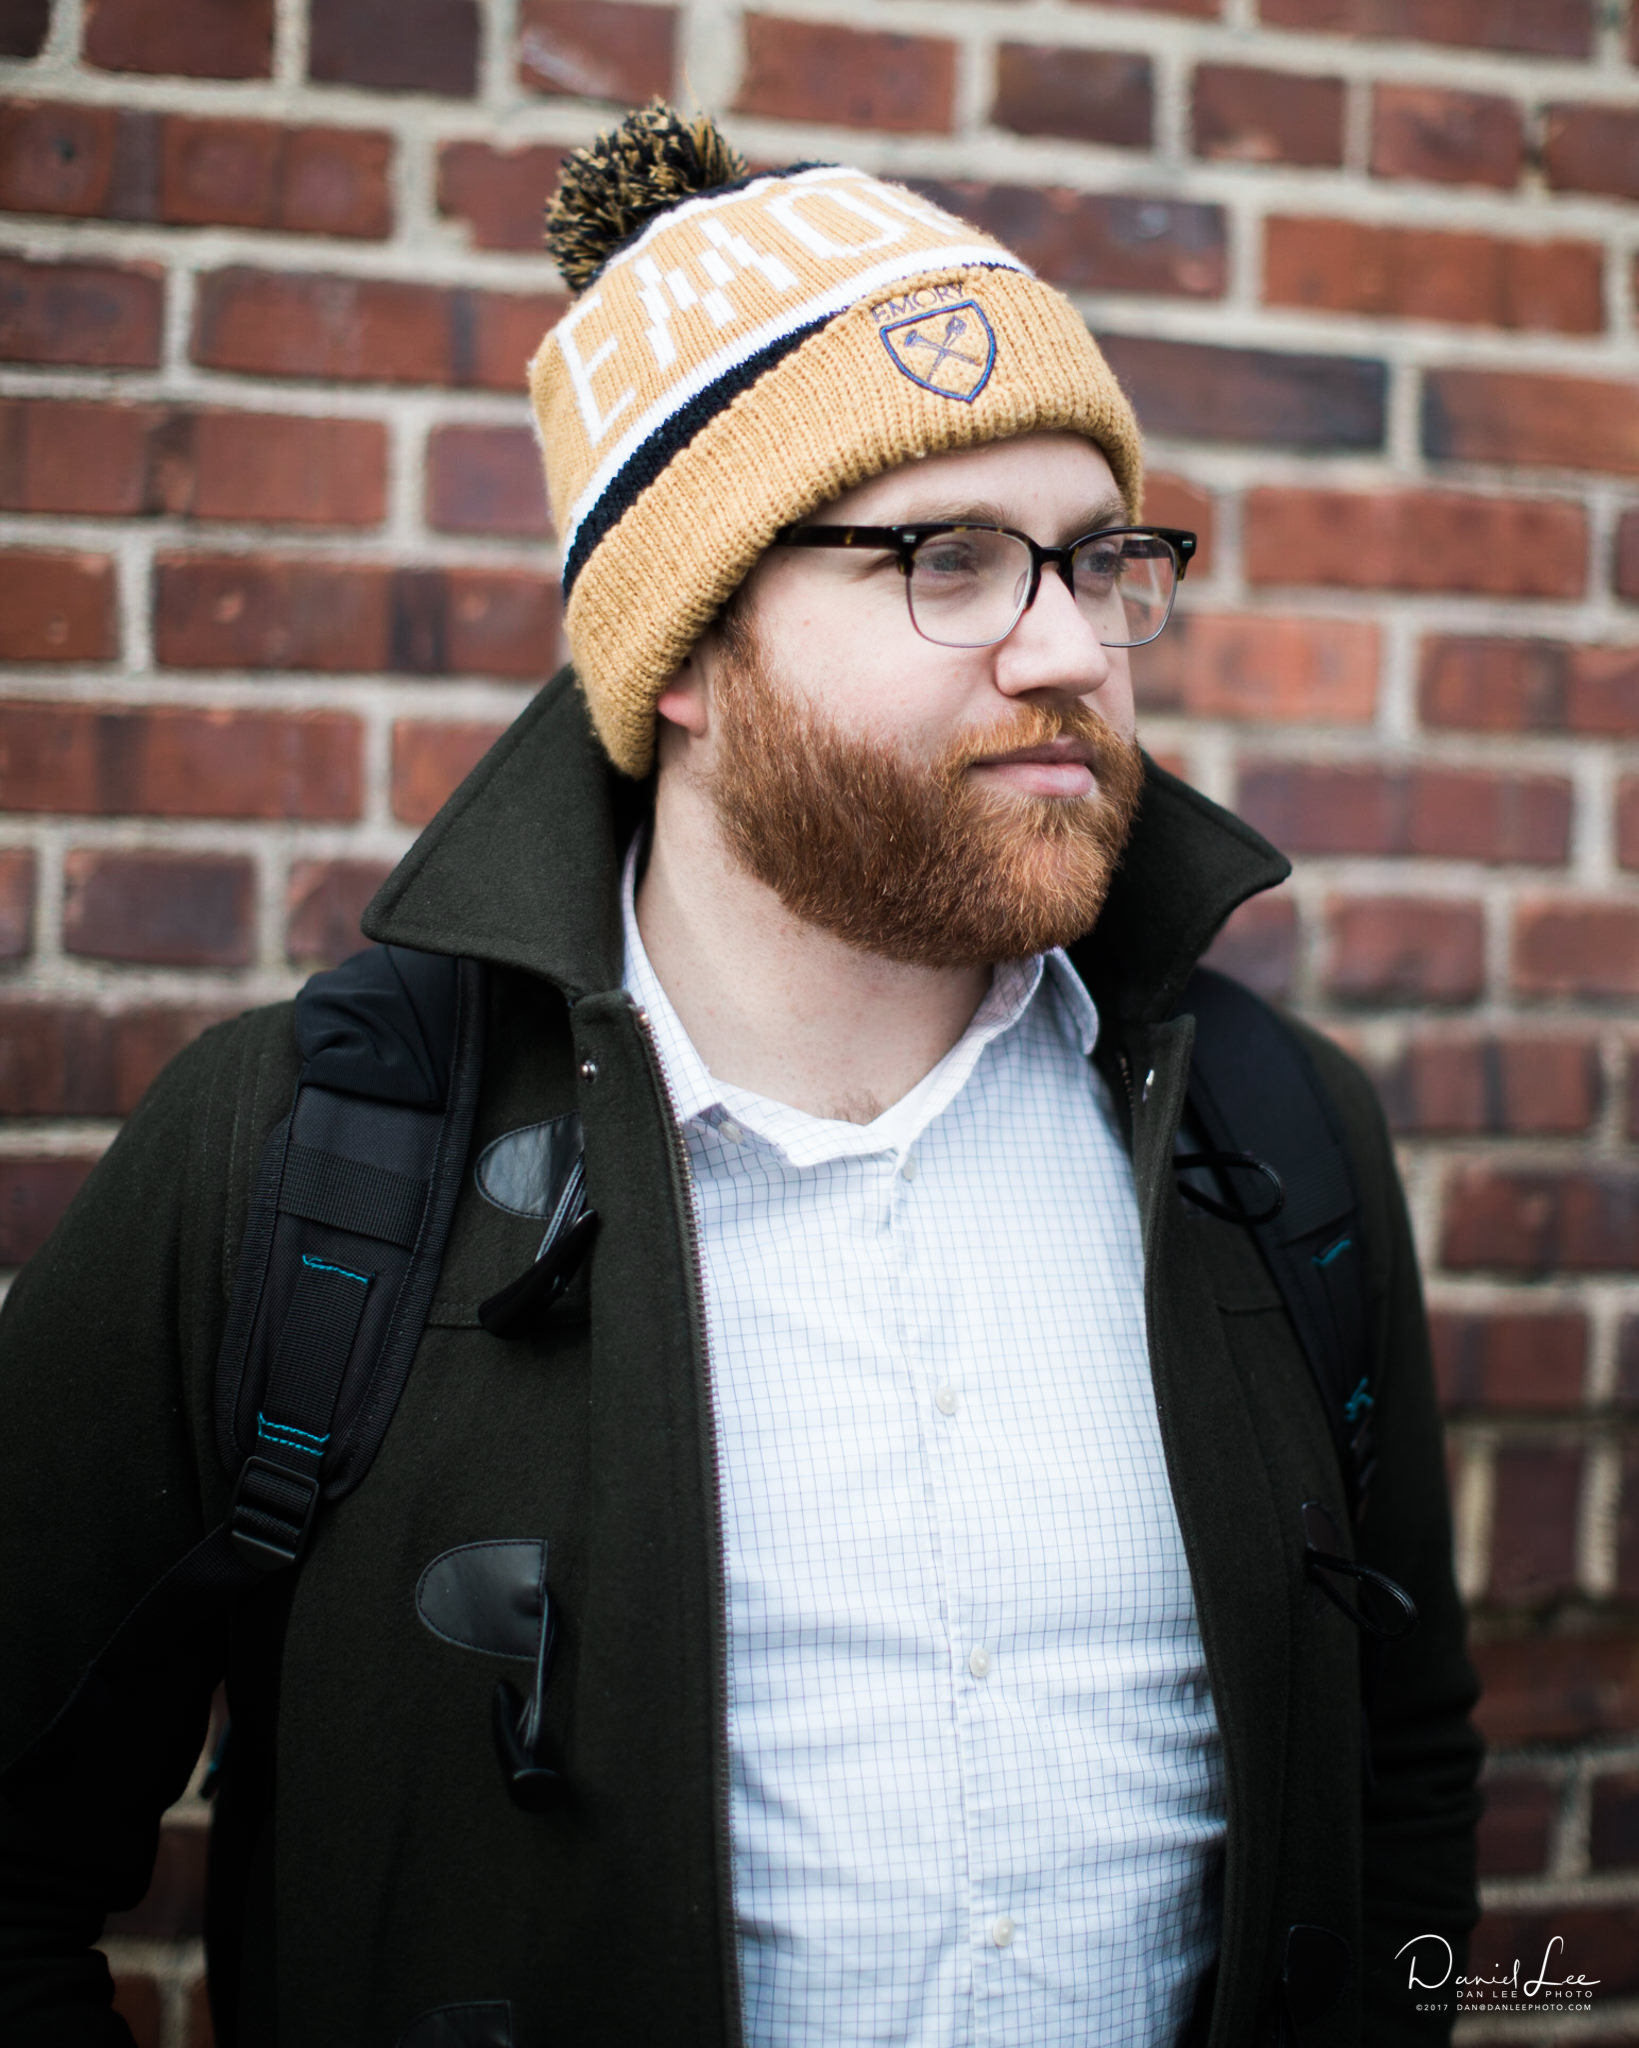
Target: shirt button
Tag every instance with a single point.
(978, 1662)
(729, 1131)
(908, 1168)
(1001, 1930)
(945, 1400)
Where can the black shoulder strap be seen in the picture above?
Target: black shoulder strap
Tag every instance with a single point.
(339, 1259)
(1254, 1090)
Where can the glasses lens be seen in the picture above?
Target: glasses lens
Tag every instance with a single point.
(967, 587)
(1125, 584)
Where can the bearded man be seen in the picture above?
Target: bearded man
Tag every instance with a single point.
(928, 1492)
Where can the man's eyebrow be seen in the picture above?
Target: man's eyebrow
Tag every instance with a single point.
(1109, 512)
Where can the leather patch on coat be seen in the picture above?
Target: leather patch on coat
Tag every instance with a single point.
(485, 2024)
(487, 1596)
(524, 1171)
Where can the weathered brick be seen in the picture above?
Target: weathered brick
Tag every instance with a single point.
(1521, 416)
(1613, 1820)
(1098, 241)
(16, 902)
(1263, 396)
(33, 1195)
(395, 45)
(1597, 1943)
(1557, 1688)
(1533, 1529)
(1438, 813)
(1219, 665)
(1510, 1361)
(597, 49)
(107, 316)
(1259, 945)
(1565, 947)
(1533, 1221)
(430, 758)
(486, 480)
(71, 1059)
(1404, 949)
(1561, 28)
(1625, 565)
(1448, 138)
(1266, 117)
(1175, 501)
(376, 330)
(73, 455)
(323, 904)
(163, 762)
(174, 1907)
(56, 606)
(847, 77)
(1343, 266)
(1468, 1084)
(253, 174)
(494, 622)
(57, 157)
(160, 909)
(188, 38)
(1085, 95)
(500, 193)
(1482, 684)
(1516, 1827)
(139, 2002)
(1592, 148)
(1417, 540)
(1627, 821)
(24, 26)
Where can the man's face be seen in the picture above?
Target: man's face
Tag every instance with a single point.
(936, 805)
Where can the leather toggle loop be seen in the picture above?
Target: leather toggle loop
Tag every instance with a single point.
(1324, 1564)
(1223, 1163)
(533, 1782)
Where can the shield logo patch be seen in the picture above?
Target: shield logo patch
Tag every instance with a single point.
(951, 350)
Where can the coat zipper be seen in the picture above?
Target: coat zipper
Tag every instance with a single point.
(683, 1189)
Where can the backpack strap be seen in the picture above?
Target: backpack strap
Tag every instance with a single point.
(340, 1255)
(1256, 1097)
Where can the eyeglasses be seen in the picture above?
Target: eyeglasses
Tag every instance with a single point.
(968, 585)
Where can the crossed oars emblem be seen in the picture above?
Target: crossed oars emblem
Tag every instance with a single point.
(955, 328)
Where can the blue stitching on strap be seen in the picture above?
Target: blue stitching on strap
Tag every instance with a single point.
(324, 1266)
(286, 1434)
(1359, 1399)
(1326, 1257)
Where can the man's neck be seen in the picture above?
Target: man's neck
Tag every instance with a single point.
(778, 1006)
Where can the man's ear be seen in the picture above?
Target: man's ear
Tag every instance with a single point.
(685, 700)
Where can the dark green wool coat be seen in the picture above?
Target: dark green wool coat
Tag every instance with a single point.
(386, 1873)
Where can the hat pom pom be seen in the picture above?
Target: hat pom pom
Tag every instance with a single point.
(613, 188)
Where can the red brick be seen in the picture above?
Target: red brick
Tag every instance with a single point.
(72, 455)
(1522, 417)
(16, 903)
(139, 2003)
(1201, 393)
(1549, 28)
(500, 193)
(395, 45)
(847, 77)
(1524, 1362)
(1478, 684)
(499, 622)
(597, 49)
(56, 606)
(487, 480)
(1343, 266)
(24, 26)
(1627, 1525)
(1098, 241)
(1086, 95)
(1558, 1688)
(1597, 1943)
(1613, 1821)
(33, 1194)
(161, 762)
(1320, 671)
(1449, 138)
(430, 759)
(1266, 117)
(174, 1908)
(323, 905)
(1404, 949)
(1470, 1085)
(188, 38)
(69, 1059)
(1590, 148)
(105, 315)
(160, 909)
(1536, 1222)
(1633, 1132)
(1627, 821)
(1204, 10)
(1563, 947)
(202, 2034)
(253, 174)
(1625, 567)
(376, 330)
(1259, 945)
(1517, 1825)
(56, 157)
(1533, 1530)
(1440, 813)
(1417, 540)
(1175, 501)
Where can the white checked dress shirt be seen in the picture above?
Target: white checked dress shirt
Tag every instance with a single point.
(977, 1793)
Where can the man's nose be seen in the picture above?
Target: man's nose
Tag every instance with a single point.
(1054, 646)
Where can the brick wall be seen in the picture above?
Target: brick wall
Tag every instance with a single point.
(277, 566)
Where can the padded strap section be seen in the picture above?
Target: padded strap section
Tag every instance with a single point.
(347, 1194)
(314, 1347)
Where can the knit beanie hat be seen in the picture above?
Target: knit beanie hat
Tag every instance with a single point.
(743, 349)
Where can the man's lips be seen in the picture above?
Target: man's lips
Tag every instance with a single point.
(1061, 767)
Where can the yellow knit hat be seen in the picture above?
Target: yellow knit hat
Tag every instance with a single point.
(745, 349)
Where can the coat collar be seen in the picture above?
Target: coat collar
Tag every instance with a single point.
(522, 867)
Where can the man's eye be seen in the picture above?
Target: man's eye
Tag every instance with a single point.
(1098, 565)
(947, 558)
